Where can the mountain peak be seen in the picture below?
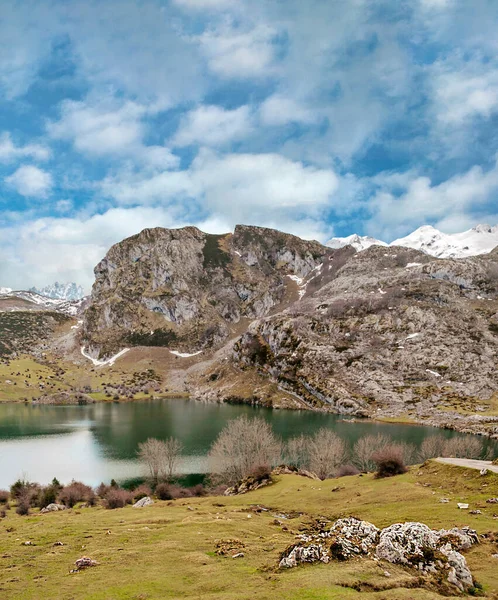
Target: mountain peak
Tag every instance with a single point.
(60, 291)
(481, 239)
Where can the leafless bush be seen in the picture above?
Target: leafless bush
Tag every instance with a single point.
(243, 445)
(327, 451)
(160, 457)
(23, 503)
(76, 492)
(463, 447)
(389, 461)
(4, 496)
(431, 447)
(296, 452)
(364, 449)
(118, 498)
(142, 491)
(346, 471)
(102, 490)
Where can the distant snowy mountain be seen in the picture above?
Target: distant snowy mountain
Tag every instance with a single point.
(481, 239)
(39, 302)
(5, 290)
(478, 240)
(359, 242)
(60, 291)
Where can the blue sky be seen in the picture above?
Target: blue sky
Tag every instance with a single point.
(317, 117)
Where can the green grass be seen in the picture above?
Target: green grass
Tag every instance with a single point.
(168, 550)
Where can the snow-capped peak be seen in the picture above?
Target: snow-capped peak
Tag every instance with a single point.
(359, 242)
(481, 239)
(5, 290)
(60, 291)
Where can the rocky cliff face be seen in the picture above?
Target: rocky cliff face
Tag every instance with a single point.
(187, 289)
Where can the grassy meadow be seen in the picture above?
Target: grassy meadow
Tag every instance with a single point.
(168, 550)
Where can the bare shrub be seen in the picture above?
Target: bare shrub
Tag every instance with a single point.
(142, 491)
(76, 492)
(463, 447)
(198, 490)
(364, 449)
(23, 503)
(4, 496)
(389, 461)
(346, 471)
(297, 452)
(327, 451)
(117, 498)
(160, 457)
(26, 489)
(431, 447)
(163, 491)
(102, 490)
(240, 447)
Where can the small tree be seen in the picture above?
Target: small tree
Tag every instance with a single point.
(463, 447)
(242, 446)
(297, 452)
(160, 457)
(365, 448)
(431, 447)
(172, 451)
(327, 451)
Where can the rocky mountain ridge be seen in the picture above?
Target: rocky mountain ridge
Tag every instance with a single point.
(60, 291)
(481, 239)
(385, 332)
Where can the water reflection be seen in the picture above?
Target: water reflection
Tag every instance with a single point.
(98, 442)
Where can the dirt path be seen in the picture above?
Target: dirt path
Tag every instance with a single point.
(469, 463)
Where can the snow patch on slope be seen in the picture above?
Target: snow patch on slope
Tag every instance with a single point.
(101, 363)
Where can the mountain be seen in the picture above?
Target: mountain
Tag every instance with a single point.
(359, 242)
(60, 291)
(190, 289)
(265, 317)
(5, 290)
(17, 300)
(478, 240)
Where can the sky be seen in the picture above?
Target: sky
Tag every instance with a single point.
(317, 117)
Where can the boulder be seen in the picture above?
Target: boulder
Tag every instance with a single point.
(304, 554)
(143, 502)
(406, 543)
(53, 508)
(84, 562)
(351, 537)
(249, 484)
(459, 573)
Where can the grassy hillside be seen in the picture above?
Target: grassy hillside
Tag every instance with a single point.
(169, 550)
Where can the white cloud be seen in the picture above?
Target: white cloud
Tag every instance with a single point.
(109, 128)
(280, 110)
(206, 4)
(41, 251)
(30, 181)
(9, 152)
(237, 54)
(465, 92)
(421, 202)
(243, 185)
(213, 126)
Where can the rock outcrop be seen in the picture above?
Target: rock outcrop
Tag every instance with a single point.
(434, 553)
(184, 288)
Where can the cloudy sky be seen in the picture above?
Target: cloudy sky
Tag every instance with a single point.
(317, 117)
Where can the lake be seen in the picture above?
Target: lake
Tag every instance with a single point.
(99, 442)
